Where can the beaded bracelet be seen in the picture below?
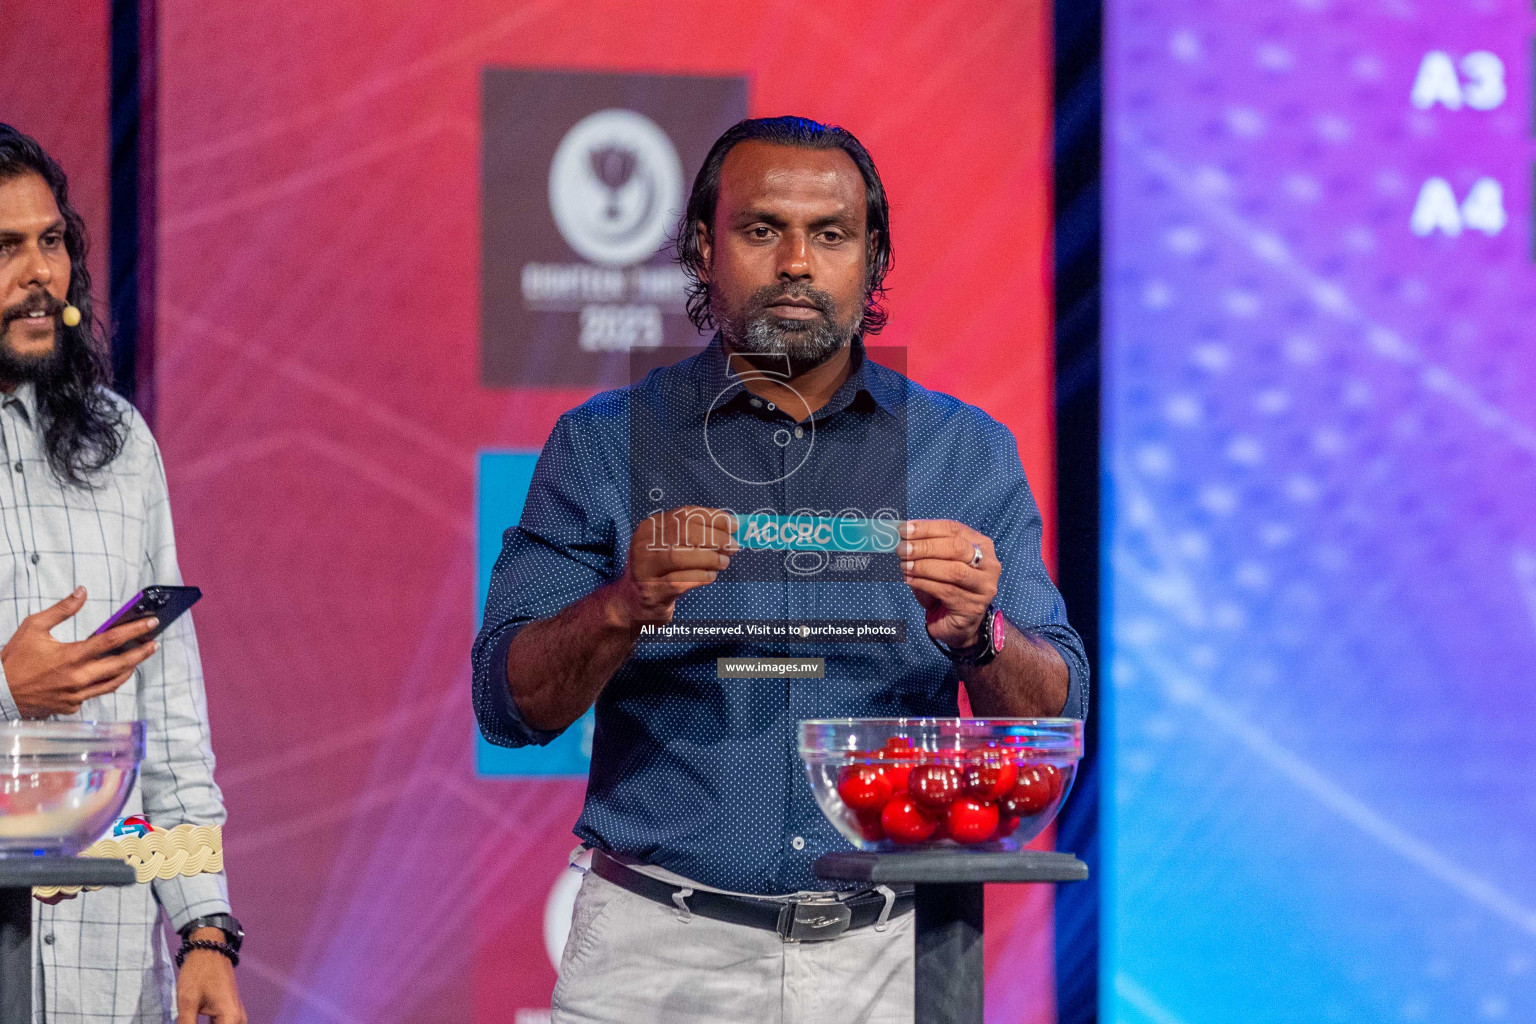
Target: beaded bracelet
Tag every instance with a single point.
(187, 945)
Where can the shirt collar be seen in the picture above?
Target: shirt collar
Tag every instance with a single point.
(24, 397)
(868, 378)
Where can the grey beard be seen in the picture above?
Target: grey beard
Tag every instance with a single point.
(807, 343)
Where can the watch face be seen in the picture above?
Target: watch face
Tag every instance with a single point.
(999, 631)
(227, 924)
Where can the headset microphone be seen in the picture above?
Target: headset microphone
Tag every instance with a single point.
(71, 316)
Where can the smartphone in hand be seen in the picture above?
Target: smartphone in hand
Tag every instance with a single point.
(165, 603)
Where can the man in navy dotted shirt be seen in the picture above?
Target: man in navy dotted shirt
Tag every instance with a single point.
(700, 813)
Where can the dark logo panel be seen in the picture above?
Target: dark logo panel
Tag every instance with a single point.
(583, 179)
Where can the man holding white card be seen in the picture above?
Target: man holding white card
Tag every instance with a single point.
(783, 440)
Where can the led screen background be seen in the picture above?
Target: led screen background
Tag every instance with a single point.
(63, 104)
(322, 416)
(1321, 459)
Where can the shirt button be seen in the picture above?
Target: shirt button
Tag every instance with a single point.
(48, 938)
(17, 467)
(757, 403)
(798, 842)
(35, 557)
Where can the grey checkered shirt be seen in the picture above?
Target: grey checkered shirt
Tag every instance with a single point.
(102, 956)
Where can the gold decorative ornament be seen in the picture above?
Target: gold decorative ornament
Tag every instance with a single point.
(161, 853)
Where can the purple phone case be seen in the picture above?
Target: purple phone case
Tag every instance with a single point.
(173, 603)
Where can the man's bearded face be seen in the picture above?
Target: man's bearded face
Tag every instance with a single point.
(786, 254)
(29, 350)
(34, 279)
(759, 327)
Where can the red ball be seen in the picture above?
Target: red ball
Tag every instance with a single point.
(868, 825)
(1007, 825)
(862, 787)
(896, 773)
(1038, 785)
(971, 821)
(905, 822)
(990, 778)
(935, 786)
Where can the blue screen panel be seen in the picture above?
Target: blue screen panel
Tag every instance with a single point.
(502, 479)
(1320, 446)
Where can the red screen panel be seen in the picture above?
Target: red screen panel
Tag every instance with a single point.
(55, 89)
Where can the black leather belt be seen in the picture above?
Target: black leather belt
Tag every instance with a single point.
(812, 920)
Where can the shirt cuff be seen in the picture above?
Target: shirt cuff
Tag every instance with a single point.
(501, 693)
(189, 897)
(1075, 689)
(9, 712)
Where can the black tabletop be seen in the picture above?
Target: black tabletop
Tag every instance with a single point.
(25, 872)
(960, 867)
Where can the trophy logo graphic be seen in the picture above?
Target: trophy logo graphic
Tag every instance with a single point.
(615, 187)
(614, 166)
(584, 176)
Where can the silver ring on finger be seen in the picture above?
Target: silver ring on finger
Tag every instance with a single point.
(975, 555)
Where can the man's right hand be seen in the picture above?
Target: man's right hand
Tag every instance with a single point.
(49, 677)
(670, 554)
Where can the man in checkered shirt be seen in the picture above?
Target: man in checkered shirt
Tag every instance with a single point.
(86, 525)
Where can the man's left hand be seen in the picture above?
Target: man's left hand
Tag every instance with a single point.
(205, 985)
(936, 562)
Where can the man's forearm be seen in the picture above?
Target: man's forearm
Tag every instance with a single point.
(1028, 679)
(557, 666)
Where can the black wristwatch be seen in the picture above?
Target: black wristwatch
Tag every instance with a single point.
(994, 633)
(234, 935)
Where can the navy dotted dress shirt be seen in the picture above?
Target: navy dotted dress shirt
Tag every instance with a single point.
(700, 775)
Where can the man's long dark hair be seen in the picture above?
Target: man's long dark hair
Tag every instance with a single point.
(802, 133)
(82, 425)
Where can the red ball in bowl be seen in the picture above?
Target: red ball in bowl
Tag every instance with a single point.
(989, 777)
(935, 786)
(905, 822)
(1037, 786)
(863, 787)
(868, 825)
(971, 821)
(896, 773)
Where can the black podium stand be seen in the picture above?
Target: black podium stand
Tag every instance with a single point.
(949, 973)
(17, 877)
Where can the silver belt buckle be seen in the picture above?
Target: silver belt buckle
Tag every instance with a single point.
(814, 920)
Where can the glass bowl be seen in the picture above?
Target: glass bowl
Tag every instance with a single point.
(919, 783)
(63, 783)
